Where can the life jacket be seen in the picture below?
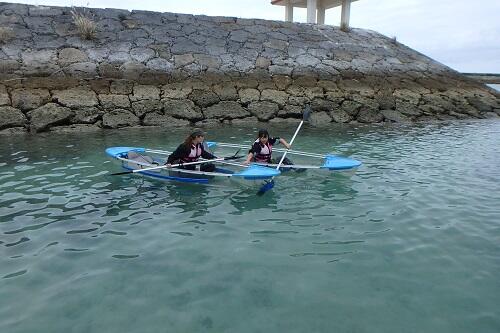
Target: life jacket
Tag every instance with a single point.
(264, 156)
(194, 155)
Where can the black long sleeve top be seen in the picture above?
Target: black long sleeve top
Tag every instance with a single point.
(182, 152)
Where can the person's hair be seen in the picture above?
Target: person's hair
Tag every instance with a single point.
(189, 140)
(263, 133)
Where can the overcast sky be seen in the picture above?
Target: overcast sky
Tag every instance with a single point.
(459, 33)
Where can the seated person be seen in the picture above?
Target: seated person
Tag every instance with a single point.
(262, 149)
(190, 151)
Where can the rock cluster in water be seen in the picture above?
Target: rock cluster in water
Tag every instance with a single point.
(163, 69)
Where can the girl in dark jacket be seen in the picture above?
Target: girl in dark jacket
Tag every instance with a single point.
(190, 151)
(262, 149)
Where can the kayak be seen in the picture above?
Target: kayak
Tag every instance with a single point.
(150, 163)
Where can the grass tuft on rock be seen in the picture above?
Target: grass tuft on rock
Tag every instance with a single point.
(85, 25)
(6, 34)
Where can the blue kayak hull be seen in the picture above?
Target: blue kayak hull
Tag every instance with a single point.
(144, 158)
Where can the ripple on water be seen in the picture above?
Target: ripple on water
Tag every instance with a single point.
(125, 256)
(20, 241)
(16, 274)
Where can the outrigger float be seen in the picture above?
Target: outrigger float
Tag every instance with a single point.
(330, 162)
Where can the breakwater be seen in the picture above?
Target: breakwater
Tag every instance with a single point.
(164, 69)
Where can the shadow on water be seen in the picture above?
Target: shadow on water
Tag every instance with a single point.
(191, 200)
(325, 186)
(247, 200)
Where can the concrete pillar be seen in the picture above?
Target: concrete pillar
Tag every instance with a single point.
(311, 11)
(321, 15)
(346, 13)
(288, 11)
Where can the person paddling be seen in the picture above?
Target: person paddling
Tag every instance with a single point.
(262, 149)
(190, 151)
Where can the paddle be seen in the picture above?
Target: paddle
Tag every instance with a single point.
(270, 184)
(290, 151)
(233, 157)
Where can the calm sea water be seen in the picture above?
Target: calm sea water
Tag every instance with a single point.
(410, 243)
(495, 86)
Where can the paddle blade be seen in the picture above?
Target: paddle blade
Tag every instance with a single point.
(210, 144)
(307, 113)
(235, 156)
(121, 173)
(266, 187)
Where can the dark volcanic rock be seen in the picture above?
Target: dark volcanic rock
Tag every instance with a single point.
(11, 117)
(50, 114)
(181, 109)
(263, 110)
(226, 110)
(119, 118)
(28, 99)
(158, 119)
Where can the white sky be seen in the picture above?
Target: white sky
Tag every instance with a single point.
(462, 34)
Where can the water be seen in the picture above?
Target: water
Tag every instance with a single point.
(494, 86)
(411, 243)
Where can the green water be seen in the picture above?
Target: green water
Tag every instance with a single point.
(410, 243)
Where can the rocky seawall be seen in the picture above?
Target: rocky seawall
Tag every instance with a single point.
(164, 69)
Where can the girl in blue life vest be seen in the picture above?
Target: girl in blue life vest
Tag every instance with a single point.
(190, 151)
(262, 149)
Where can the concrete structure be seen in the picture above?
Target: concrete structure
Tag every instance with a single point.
(316, 9)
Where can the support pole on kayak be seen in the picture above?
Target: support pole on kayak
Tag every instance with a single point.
(270, 184)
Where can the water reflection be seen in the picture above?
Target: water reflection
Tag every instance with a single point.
(247, 201)
(190, 198)
(336, 186)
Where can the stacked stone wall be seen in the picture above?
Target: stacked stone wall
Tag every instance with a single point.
(164, 69)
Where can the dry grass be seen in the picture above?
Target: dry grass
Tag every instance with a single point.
(85, 25)
(6, 34)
